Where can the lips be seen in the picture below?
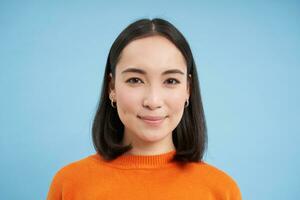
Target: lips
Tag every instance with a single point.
(151, 118)
(153, 121)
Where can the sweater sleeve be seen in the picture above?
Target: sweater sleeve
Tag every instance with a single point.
(234, 193)
(55, 190)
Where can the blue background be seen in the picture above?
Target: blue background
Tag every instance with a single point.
(52, 62)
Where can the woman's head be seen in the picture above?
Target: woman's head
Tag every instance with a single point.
(150, 73)
(150, 81)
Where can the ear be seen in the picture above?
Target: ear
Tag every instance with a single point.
(189, 82)
(111, 85)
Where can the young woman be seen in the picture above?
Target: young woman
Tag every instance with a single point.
(149, 130)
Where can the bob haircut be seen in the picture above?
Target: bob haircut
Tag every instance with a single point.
(189, 137)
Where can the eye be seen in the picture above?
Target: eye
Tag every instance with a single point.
(133, 80)
(173, 81)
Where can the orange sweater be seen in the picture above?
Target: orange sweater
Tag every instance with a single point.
(141, 177)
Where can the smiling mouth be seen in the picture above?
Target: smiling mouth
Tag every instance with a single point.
(152, 121)
(152, 118)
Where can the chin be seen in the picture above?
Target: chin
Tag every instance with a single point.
(153, 136)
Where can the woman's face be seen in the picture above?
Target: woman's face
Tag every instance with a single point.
(150, 90)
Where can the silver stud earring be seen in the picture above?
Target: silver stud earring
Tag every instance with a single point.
(112, 102)
(187, 103)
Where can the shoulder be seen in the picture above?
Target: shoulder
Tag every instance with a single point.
(75, 168)
(68, 175)
(216, 173)
(218, 180)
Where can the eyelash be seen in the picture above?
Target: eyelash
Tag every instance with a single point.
(128, 81)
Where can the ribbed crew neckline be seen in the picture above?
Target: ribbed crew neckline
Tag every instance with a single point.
(143, 161)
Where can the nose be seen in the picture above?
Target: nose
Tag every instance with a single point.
(153, 98)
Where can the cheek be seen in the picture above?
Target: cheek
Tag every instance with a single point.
(127, 101)
(176, 101)
(176, 104)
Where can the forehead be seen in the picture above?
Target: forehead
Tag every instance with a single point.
(153, 53)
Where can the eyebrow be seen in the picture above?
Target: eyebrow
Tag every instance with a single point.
(140, 71)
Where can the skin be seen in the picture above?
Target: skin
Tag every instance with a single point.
(152, 93)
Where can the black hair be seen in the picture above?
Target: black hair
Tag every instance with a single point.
(189, 137)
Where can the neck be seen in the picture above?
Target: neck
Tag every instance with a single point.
(141, 147)
(143, 161)
(149, 151)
